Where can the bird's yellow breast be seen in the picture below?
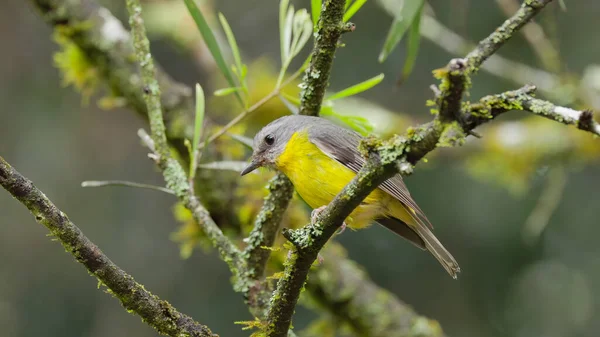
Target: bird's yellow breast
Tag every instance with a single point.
(318, 179)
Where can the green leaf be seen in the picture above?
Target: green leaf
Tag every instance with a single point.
(301, 32)
(354, 8)
(402, 21)
(315, 7)
(226, 165)
(357, 123)
(198, 123)
(226, 91)
(286, 15)
(357, 88)
(211, 43)
(412, 47)
(348, 3)
(232, 44)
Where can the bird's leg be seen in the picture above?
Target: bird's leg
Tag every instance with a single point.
(315, 213)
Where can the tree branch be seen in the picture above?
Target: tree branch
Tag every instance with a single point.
(266, 227)
(173, 173)
(316, 78)
(155, 312)
(488, 46)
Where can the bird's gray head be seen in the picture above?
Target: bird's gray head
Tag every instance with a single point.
(271, 140)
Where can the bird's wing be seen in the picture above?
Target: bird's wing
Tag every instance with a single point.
(342, 145)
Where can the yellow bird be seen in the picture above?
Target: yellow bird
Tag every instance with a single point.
(320, 158)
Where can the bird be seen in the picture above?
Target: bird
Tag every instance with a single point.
(320, 158)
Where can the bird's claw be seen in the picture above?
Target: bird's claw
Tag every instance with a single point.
(315, 214)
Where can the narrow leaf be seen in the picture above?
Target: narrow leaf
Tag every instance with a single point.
(400, 25)
(198, 123)
(354, 8)
(211, 42)
(412, 47)
(315, 7)
(357, 123)
(226, 91)
(237, 166)
(357, 88)
(232, 42)
(283, 6)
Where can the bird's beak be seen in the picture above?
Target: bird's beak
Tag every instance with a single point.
(251, 167)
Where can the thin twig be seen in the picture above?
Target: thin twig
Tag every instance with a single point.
(516, 72)
(103, 183)
(534, 34)
(135, 298)
(488, 46)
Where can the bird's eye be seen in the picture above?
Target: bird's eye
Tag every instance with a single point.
(269, 139)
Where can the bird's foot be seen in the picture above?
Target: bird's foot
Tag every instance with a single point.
(315, 213)
(342, 228)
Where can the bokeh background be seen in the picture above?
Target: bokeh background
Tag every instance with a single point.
(523, 274)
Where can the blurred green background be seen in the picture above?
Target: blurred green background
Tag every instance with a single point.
(548, 286)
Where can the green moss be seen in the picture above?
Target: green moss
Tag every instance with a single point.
(76, 68)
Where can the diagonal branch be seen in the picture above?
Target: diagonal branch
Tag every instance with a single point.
(173, 172)
(135, 298)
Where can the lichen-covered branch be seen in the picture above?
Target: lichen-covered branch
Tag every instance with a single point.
(521, 100)
(456, 76)
(266, 227)
(173, 172)
(155, 312)
(489, 45)
(316, 78)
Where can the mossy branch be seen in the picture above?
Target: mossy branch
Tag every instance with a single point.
(315, 81)
(266, 227)
(456, 77)
(172, 170)
(135, 298)
(316, 78)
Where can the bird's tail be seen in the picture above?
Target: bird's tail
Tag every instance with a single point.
(422, 237)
